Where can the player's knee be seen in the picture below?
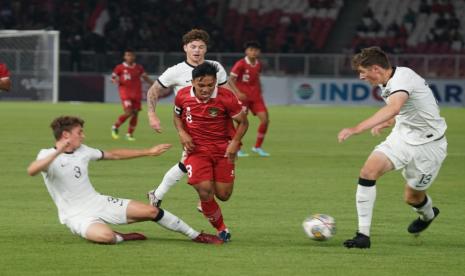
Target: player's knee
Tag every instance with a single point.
(106, 237)
(206, 194)
(152, 212)
(413, 199)
(223, 196)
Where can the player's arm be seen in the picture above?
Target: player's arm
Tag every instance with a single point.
(41, 165)
(242, 124)
(231, 84)
(386, 113)
(155, 91)
(186, 140)
(5, 84)
(120, 154)
(147, 79)
(376, 130)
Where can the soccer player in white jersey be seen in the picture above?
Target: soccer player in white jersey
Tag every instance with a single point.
(174, 78)
(416, 144)
(86, 212)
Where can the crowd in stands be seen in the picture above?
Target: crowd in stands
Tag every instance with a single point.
(157, 25)
(417, 26)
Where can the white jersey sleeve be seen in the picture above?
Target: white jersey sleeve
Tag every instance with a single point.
(221, 76)
(93, 154)
(44, 153)
(169, 77)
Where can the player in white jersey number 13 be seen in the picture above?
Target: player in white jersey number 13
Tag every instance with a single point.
(174, 78)
(416, 144)
(86, 212)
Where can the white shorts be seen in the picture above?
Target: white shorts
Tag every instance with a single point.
(107, 210)
(420, 163)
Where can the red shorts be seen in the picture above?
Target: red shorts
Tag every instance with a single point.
(203, 167)
(255, 105)
(134, 104)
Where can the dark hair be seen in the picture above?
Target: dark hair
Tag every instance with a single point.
(205, 69)
(130, 50)
(252, 44)
(371, 56)
(65, 123)
(195, 34)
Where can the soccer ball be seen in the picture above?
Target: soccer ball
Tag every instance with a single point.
(319, 227)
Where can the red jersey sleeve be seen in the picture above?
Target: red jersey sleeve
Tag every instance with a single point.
(238, 68)
(232, 104)
(116, 71)
(141, 69)
(4, 73)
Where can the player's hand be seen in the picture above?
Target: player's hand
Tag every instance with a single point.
(377, 130)
(62, 145)
(159, 149)
(115, 80)
(154, 122)
(231, 151)
(186, 141)
(344, 134)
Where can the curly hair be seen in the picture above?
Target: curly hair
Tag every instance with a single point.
(195, 34)
(65, 123)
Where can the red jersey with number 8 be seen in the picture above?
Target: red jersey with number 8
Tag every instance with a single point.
(208, 123)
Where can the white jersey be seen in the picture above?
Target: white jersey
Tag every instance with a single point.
(67, 180)
(419, 121)
(180, 75)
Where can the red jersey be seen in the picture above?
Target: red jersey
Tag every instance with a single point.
(4, 73)
(130, 86)
(248, 77)
(208, 123)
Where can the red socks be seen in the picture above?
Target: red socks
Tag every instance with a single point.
(121, 120)
(132, 124)
(212, 211)
(261, 135)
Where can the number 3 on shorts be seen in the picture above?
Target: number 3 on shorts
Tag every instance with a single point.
(189, 170)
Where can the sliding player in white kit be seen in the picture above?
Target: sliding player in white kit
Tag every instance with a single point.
(86, 212)
(176, 77)
(417, 143)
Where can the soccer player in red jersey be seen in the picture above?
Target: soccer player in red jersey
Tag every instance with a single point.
(245, 77)
(127, 75)
(5, 82)
(203, 116)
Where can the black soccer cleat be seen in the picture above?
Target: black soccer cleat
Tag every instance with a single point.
(420, 225)
(359, 241)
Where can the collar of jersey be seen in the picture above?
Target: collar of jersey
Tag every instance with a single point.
(127, 65)
(250, 63)
(66, 152)
(189, 64)
(392, 75)
(214, 94)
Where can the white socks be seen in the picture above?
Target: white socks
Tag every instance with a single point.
(118, 238)
(173, 223)
(172, 176)
(426, 211)
(365, 200)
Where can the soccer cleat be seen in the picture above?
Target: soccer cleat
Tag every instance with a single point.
(130, 137)
(153, 200)
(199, 207)
(420, 225)
(131, 236)
(224, 235)
(359, 241)
(208, 238)
(242, 153)
(114, 133)
(260, 152)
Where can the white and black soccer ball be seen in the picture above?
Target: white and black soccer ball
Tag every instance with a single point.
(319, 227)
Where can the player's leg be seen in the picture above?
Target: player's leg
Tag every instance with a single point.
(102, 233)
(224, 178)
(259, 109)
(136, 107)
(171, 177)
(122, 118)
(375, 166)
(210, 208)
(419, 174)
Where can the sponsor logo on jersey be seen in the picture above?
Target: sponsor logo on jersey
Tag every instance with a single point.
(213, 111)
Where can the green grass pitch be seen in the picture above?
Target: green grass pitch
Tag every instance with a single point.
(309, 172)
